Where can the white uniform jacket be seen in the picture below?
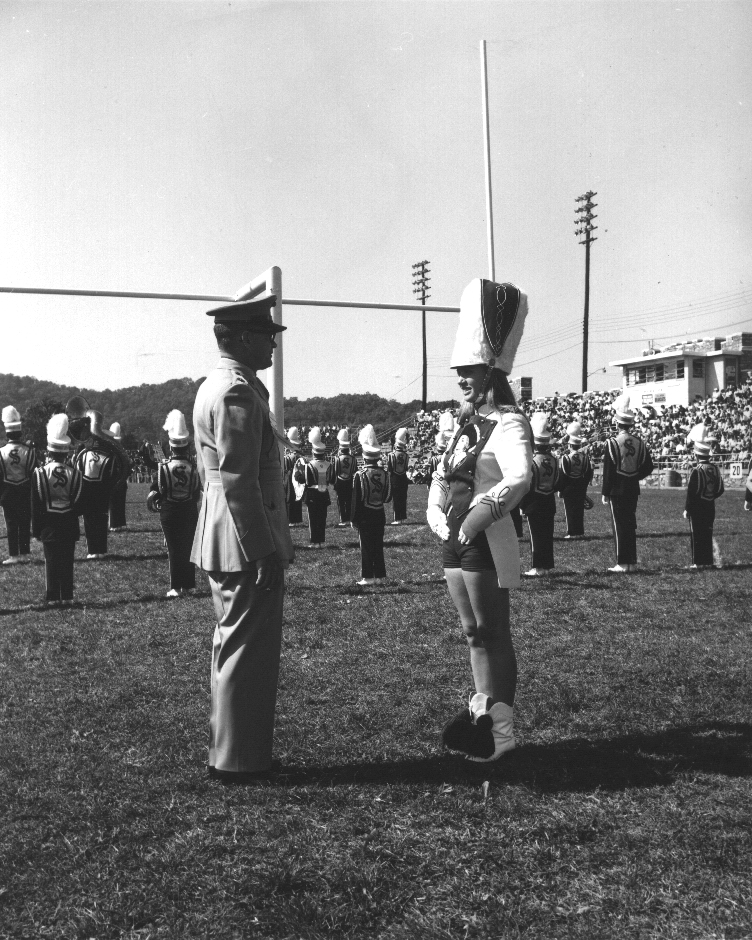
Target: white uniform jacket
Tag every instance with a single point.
(242, 516)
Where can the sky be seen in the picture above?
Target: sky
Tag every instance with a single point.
(188, 147)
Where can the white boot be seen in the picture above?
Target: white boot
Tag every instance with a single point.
(495, 727)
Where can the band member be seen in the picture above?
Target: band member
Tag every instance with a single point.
(174, 494)
(101, 469)
(576, 475)
(344, 465)
(704, 486)
(486, 471)
(119, 492)
(371, 490)
(539, 505)
(17, 463)
(242, 540)
(317, 474)
(55, 499)
(397, 463)
(292, 459)
(626, 461)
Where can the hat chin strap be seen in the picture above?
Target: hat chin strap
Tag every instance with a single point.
(480, 398)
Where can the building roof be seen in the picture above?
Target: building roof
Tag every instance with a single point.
(681, 353)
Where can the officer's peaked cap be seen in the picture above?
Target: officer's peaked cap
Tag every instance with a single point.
(252, 315)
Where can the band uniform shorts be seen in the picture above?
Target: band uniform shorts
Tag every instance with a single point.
(473, 556)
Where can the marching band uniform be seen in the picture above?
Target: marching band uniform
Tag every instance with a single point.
(447, 427)
(17, 463)
(576, 475)
(241, 522)
(101, 470)
(539, 505)
(626, 461)
(344, 468)
(704, 486)
(291, 460)
(174, 493)
(397, 463)
(119, 492)
(748, 493)
(55, 499)
(371, 490)
(317, 475)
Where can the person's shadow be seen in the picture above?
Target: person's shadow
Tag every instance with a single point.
(575, 764)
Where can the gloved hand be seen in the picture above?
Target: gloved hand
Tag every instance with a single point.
(438, 522)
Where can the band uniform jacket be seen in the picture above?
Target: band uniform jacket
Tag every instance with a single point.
(371, 490)
(17, 464)
(100, 471)
(397, 463)
(748, 488)
(344, 468)
(542, 494)
(704, 486)
(242, 517)
(179, 487)
(626, 461)
(56, 497)
(575, 473)
(318, 474)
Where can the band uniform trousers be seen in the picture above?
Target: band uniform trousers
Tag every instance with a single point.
(245, 670)
(294, 508)
(17, 511)
(516, 515)
(58, 569)
(399, 497)
(371, 525)
(95, 527)
(541, 513)
(624, 523)
(701, 521)
(179, 527)
(574, 508)
(117, 504)
(344, 491)
(318, 504)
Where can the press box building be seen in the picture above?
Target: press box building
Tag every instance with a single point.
(685, 372)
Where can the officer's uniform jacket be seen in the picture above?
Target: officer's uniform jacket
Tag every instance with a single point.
(705, 485)
(626, 461)
(242, 518)
(17, 463)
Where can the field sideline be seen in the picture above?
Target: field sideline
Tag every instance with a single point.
(625, 812)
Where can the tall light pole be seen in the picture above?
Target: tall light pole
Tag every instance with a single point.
(584, 222)
(420, 282)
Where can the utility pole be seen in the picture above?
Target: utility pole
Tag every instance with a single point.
(420, 282)
(584, 222)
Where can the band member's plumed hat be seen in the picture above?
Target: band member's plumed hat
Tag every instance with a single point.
(11, 418)
(343, 436)
(702, 439)
(400, 439)
(447, 427)
(368, 441)
(492, 318)
(623, 411)
(293, 438)
(177, 432)
(574, 433)
(57, 434)
(539, 424)
(314, 439)
(252, 315)
(115, 430)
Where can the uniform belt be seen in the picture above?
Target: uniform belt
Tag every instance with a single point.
(269, 475)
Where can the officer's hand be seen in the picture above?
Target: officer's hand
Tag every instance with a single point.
(270, 572)
(685, 514)
(606, 500)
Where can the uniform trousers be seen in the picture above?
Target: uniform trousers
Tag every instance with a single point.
(317, 503)
(58, 570)
(701, 521)
(624, 523)
(117, 505)
(294, 510)
(574, 509)
(399, 497)
(179, 527)
(371, 533)
(516, 515)
(95, 527)
(17, 512)
(344, 491)
(540, 519)
(245, 671)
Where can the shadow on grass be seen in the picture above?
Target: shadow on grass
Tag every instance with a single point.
(116, 556)
(635, 760)
(43, 607)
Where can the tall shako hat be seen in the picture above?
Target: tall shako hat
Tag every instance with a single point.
(115, 430)
(11, 418)
(539, 424)
(293, 438)
(702, 439)
(369, 443)
(252, 315)
(343, 436)
(575, 433)
(447, 427)
(177, 432)
(400, 439)
(623, 411)
(57, 434)
(492, 318)
(314, 438)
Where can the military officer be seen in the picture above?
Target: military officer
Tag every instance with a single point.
(704, 486)
(17, 463)
(118, 521)
(291, 460)
(344, 467)
(626, 461)
(397, 463)
(576, 475)
(242, 539)
(539, 505)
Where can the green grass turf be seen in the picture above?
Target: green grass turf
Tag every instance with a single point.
(624, 812)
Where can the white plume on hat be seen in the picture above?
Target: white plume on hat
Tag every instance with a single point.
(623, 409)
(539, 424)
(400, 439)
(57, 433)
(368, 441)
(492, 318)
(702, 438)
(115, 430)
(575, 432)
(177, 432)
(11, 418)
(314, 439)
(293, 437)
(343, 436)
(447, 427)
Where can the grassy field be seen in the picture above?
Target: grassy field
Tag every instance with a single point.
(625, 812)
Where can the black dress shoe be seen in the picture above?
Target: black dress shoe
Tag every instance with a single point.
(240, 777)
